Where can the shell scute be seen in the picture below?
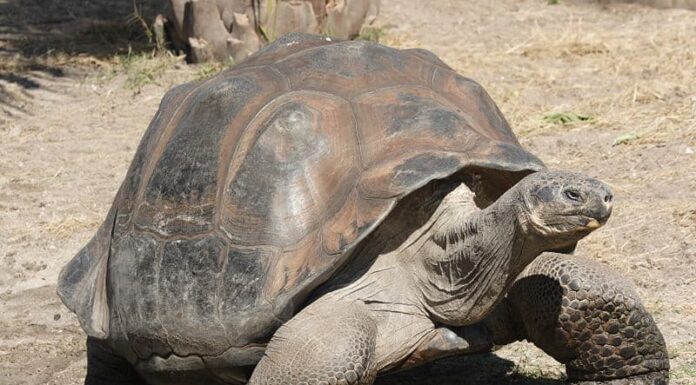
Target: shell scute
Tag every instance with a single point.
(180, 195)
(353, 67)
(169, 107)
(285, 183)
(416, 118)
(243, 309)
(352, 221)
(188, 281)
(284, 46)
(137, 304)
(470, 96)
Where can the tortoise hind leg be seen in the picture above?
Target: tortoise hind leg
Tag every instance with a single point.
(591, 320)
(326, 343)
(106, 368)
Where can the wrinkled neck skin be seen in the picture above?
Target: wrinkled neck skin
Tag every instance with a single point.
(472, 259)
(456, 267)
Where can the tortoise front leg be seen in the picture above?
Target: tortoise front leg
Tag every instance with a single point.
(326, 343)
(591, 320)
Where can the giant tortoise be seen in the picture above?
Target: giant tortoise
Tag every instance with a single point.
(326, 211)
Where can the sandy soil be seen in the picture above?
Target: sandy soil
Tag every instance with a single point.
(72, 115)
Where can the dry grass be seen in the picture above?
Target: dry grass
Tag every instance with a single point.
(145, 68)
(637, 79)
(65, 228)
(648, 68)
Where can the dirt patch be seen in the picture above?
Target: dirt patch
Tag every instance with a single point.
(70, 132)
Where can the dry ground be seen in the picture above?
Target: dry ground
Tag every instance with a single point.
(73, 105)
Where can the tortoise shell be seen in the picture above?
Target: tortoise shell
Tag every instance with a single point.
(250, 188)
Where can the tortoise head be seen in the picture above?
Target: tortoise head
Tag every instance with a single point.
(563, 207)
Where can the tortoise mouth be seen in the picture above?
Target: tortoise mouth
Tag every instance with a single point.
(573, 225)
(589, 223)
(580, 225)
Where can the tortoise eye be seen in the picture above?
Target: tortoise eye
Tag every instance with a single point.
(572, 195)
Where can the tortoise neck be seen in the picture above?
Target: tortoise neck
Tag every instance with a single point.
(473, 259)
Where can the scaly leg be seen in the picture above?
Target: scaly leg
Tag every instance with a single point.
(326, 343)
(591, 320)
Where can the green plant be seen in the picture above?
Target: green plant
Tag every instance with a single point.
(371, 34)
(209, 69)
(567, 117)
(626, 138)
(144, 67)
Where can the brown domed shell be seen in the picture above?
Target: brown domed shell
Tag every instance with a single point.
(249, 188)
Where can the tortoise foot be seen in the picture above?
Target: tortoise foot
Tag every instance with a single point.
(652, 378)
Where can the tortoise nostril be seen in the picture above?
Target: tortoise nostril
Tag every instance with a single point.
(608, 198)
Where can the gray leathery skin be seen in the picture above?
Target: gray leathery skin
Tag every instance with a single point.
(324, 344)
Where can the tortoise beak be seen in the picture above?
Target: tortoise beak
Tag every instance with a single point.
(593, 224)
(599, 210)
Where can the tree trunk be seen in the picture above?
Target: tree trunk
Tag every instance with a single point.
(346, 18)
(233, 29)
